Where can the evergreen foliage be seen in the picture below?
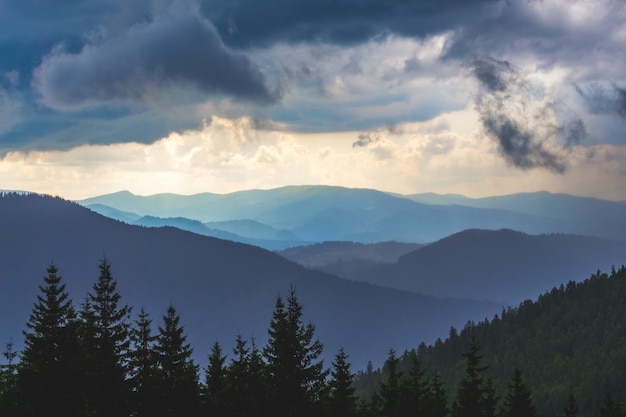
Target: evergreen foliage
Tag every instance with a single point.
(70, 365)
(177, 374)
(388, 399)
(9, 394)
(571, 409)
(292, 354)
(105, 332)
(612, 406)
(518, 401)
(413, 390)
(470, 396)
(342, 401)
(142, 368)
(215, 387)
(571, 340)
(48, 369)
(436, 399)
(246, 385)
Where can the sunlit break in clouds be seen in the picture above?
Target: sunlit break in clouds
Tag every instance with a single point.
(476, 97)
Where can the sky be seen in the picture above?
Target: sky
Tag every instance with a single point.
(475, 97)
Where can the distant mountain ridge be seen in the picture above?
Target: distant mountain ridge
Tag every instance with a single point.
(502, 265)
(220, 287)
(325, 213)
(326, 253)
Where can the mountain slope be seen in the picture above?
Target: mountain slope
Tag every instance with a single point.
(566, 213)
(328, 253)
(571, 340)
(220, 288)
(502, 265)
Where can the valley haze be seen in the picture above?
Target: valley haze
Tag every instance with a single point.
(470, 257)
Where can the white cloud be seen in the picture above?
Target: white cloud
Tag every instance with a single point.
(445, 155)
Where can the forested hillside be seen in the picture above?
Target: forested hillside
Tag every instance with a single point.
(570, 341)
(563, 355)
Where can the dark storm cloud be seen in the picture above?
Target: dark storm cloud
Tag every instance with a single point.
(489, 72)
(523, 123)
(253, 22)
(603, 99)
(170, 51)
(519, 145)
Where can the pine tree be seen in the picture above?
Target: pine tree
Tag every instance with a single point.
(215, 385)
(9, 400)
(106, 339)
(571, 409)
(177, 374)
(469, 399)
(238, 387)
(342, 402)
(611, 406)
(518, 401)
(142, 368)
(256, 387)
(413, 389)
(292, 351)
(436, 400)
(48, 370)
(490, 400)
(388, 398)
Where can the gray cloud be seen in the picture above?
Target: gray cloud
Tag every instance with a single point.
(604, 100)
(174, 50)
(365, 139)
(518, 145)
(524, 125)
(490, 73)
(250, 22)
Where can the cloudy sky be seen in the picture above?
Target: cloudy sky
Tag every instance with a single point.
(477, 97)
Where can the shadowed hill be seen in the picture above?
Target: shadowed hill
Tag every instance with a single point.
(220, 288)
(327, 253)
(501, 265)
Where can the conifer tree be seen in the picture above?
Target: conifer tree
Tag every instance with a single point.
(436, 400)
(9, 400)
(389, 396)
(413, 389)
(295, 373)
(611, 406)
(215, 383)
(469, 398)
(48, 371)
(342, 402)
(490, 400)
(239, 385)
(142, 369)
(247, 382)
(177, 374)
(106, 341)
(571, 408)
(518, 401)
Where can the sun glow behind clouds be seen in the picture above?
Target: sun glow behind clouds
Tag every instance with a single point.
(446, 155)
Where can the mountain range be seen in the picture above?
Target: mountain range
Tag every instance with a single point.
(298, 215)
(220, 288)
(502, 266)
(365, 296)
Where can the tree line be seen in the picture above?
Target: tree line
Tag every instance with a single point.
(97, 360)
(569, 344)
